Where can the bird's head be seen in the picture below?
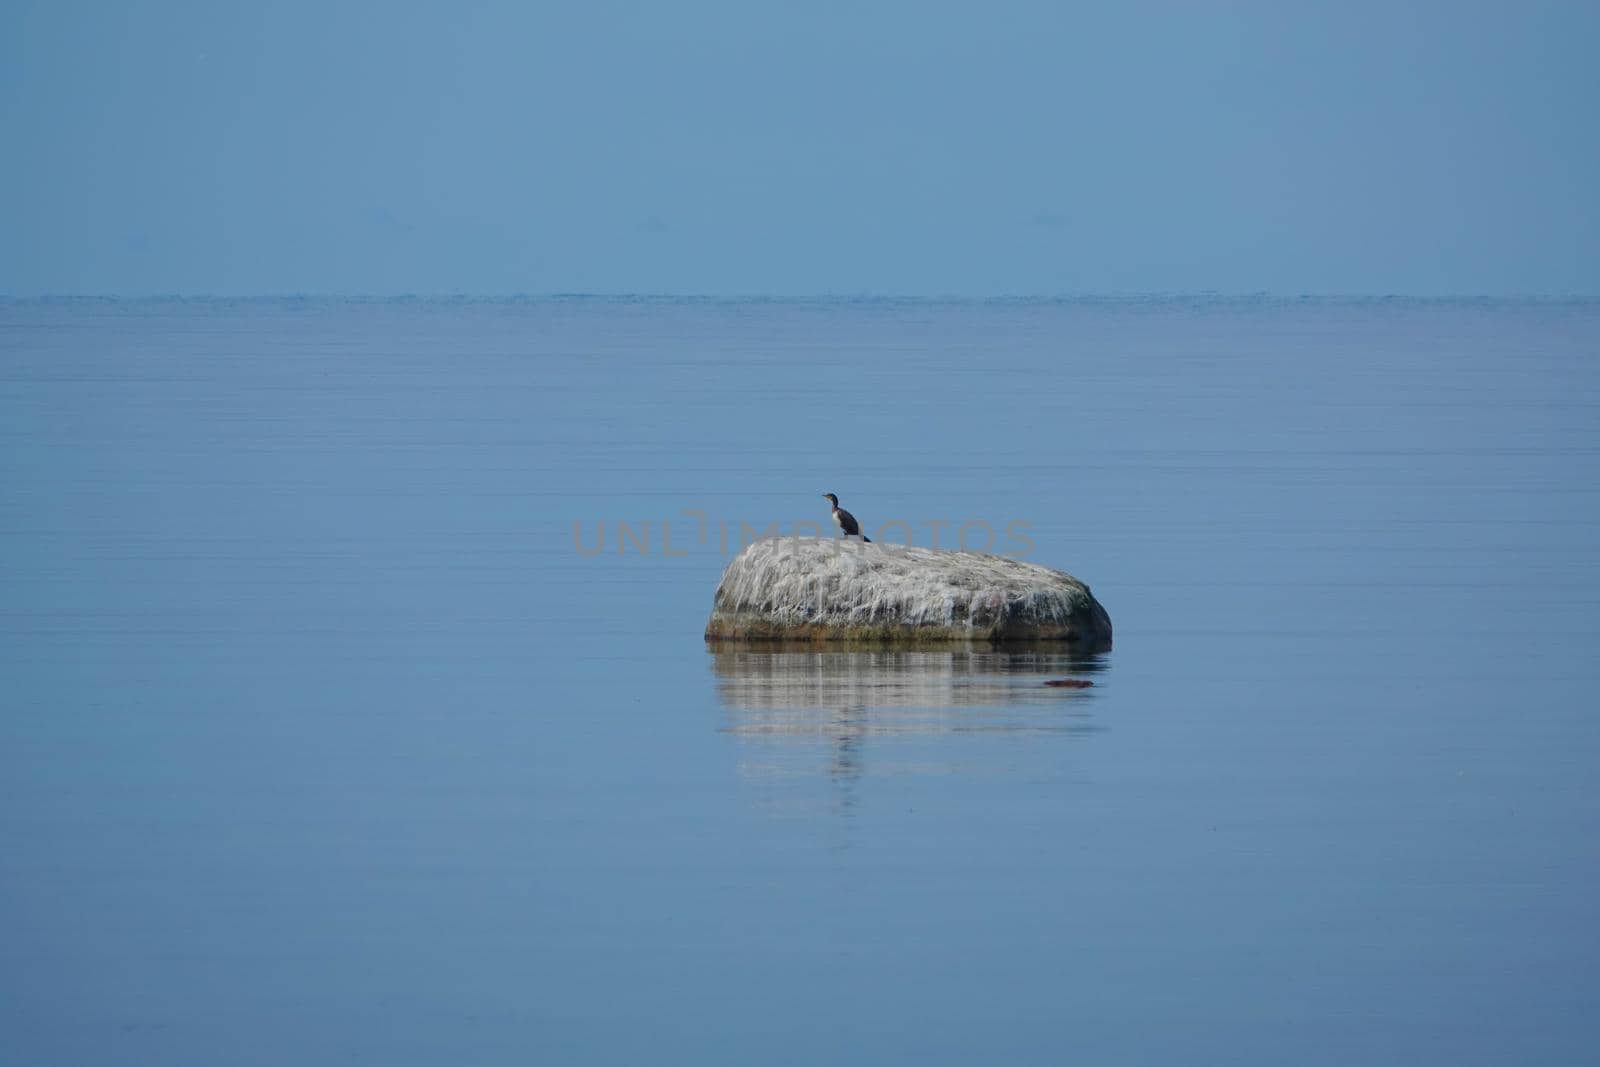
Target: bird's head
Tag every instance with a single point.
(830, 498)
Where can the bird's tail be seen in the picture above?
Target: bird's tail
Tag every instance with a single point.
(866, 540)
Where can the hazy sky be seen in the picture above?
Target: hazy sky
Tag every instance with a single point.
(763, 148)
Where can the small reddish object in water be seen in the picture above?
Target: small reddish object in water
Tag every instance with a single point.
(1068, 683)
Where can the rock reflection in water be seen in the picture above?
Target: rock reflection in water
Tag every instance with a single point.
(807, 713)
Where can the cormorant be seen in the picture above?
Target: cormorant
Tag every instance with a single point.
(844, 520)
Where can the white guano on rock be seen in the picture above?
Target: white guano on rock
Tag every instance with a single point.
(788, 588)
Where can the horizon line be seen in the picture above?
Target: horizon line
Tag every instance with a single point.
(459, 296)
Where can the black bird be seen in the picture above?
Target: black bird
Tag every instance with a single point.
(844, 520)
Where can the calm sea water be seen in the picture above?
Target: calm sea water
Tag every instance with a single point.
(323, 739)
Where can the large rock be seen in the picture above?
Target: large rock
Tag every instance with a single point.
(787, 588)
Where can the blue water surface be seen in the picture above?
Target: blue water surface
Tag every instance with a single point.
(327, 735)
